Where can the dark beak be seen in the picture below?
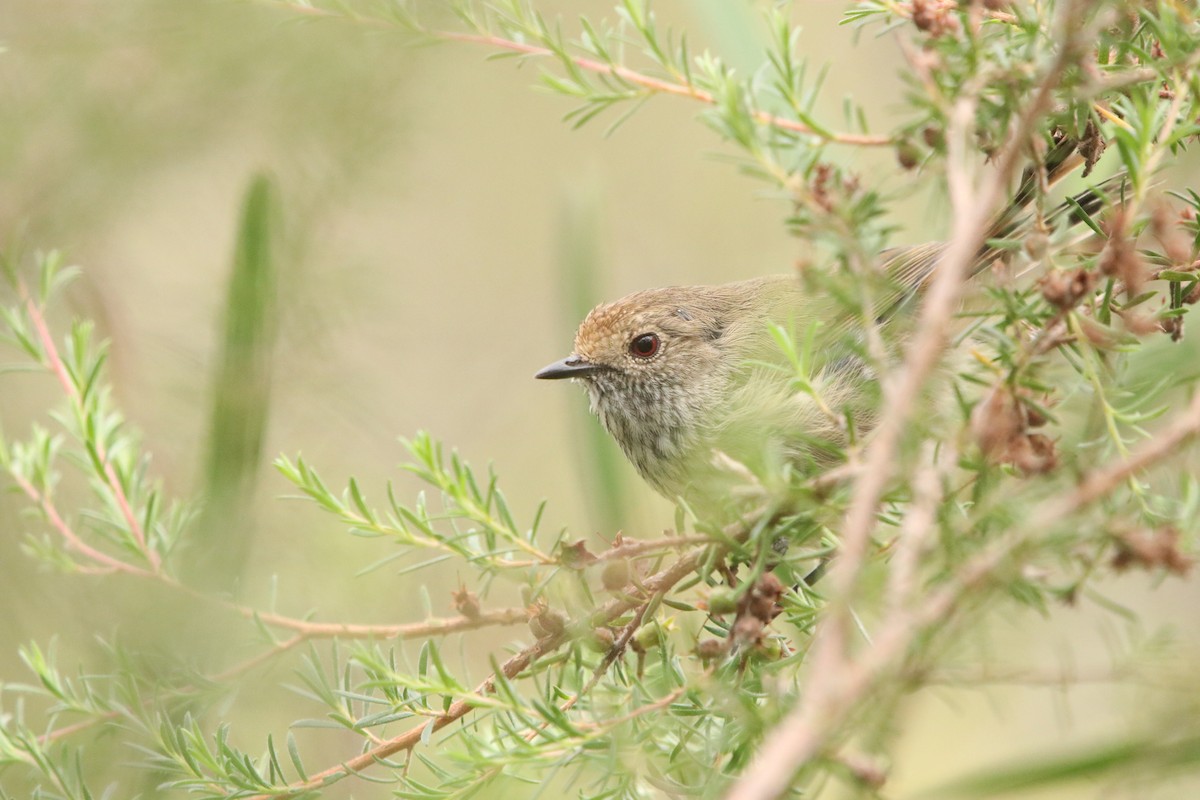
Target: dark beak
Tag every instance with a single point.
(572, 366)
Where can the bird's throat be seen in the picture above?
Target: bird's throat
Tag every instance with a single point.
(654, 424)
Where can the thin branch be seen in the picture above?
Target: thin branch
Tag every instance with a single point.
(413, 630)
(835, 683)
(73, 540)
(632, 548)
(659, 86)
(307, 631)
(902, 390)
(1099, 483)
(920, 522)
(657, 584)
(614, 652)
(58, 368)
(660, 703)
(973, 210)
(810, 725)
(631, 76)
(307, 628)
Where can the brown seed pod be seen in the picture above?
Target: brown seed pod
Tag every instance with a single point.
(466, 602)
(1064, 290)
(712, 648)
(600, 640)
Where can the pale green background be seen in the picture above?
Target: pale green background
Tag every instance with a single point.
(424, 190)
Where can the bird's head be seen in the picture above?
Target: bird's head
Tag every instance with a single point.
(656, 338)
(654, 368)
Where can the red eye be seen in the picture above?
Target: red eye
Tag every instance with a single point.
(644, 346)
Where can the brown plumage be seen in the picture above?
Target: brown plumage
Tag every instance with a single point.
(684, 375)
(677, 375)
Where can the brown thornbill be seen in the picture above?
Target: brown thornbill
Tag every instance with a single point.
(695, 388)
(700, 385)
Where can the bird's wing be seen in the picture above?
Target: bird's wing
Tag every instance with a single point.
(909, 269)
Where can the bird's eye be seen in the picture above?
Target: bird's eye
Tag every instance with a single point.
(644, 346)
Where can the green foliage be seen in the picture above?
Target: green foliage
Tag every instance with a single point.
(473, 523)
(676, 665)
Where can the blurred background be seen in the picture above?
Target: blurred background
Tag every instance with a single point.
(439, 234)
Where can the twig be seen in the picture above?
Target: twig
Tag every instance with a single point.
(73, 540)
(307, 631)
(1098, 483)
(920, 521)
(632, 548)
(58, 368)
(659, 86)
(656, 584)
(631, 76)
(835, 683)
(413, 630)
(614, 652)
(308, 628)
(609, 724)
(808, 727)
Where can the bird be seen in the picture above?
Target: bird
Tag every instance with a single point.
(692, 385)
(698, 384)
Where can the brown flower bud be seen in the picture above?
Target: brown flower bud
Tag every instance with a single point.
(935, 17)
(1034, 417)
(1151, 550)
(1120, 257)
(708, 649)
(908, 154)
(1176, 244)
(747, 631)
(1036, 243)
(466, 602)
(1033, 454)
(762, 601)
(1139, 323)
(996, 423)
(1091, 146)
(1064, 290)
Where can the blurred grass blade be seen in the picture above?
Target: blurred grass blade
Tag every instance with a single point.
(1132, 759)
(579, 247)
(241, 393)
